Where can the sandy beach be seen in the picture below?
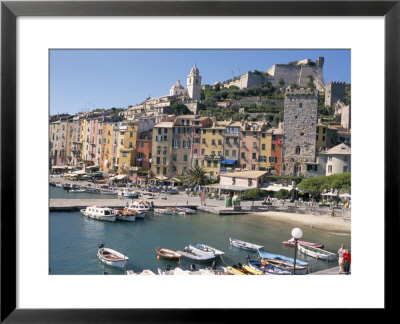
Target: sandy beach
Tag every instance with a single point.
(321, 222)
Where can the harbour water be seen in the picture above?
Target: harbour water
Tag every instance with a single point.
(74, 240)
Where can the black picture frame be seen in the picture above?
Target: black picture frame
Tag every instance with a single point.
(10, 10)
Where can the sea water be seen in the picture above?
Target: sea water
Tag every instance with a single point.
(74, 240)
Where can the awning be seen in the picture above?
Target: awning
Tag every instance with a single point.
(139, 159)
(228, 161)
(121, 176)
(162, 178)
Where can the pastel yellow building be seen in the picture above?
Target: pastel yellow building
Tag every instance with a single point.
(107, 161)
(127, 136)
(212, 148)
(265, 149)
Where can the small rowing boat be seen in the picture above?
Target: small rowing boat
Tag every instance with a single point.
(196, 255)
(111, 257)
(291, 243)
(245, 245)
(316, 252)
(167, 254)
(268, 268)
(205, 249)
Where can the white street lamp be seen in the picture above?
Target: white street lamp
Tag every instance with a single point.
(297, 233)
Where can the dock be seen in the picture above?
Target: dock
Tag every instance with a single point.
(330, 271)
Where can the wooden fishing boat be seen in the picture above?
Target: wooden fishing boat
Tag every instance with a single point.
(163, 211)
(196, 255)
(167, 254)
(111, 257)
(316, 252)
(234, 271)
(252, 270)
(291, 243)
(99, 212)
(245, 245)
(125, 215)
(268, 268)
(145, 272)
(278, 257)
(206, 249)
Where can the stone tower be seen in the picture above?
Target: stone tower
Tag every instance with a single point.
(299, 130)
(194, 83)
(335, 91)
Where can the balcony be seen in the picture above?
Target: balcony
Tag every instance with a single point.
(213, 157)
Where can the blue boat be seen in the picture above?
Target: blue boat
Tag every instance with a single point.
(268, 268)
(273, 256)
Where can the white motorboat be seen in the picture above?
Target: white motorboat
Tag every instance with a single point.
(100, 213)
(125, 215)
(127, 193)
(316, 252)
(180, 272)
(140, 207)
(163, 211)
(245, 245)
(111, 257)
(196, 255)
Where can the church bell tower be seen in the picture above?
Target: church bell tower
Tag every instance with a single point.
(194, 83)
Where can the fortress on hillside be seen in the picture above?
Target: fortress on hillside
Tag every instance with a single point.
(299, 73)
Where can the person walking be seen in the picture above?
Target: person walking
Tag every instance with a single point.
(341, 252)
(346, 261)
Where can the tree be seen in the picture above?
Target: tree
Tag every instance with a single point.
(180, 109)
(314, 185)
(254, 193)
(282, 194)
(196, 177)
(339, 182)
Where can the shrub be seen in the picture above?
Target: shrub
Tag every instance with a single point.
(254, 193)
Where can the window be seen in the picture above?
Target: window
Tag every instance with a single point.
(164, 171)
(219, 142)
(255, 134)
(165, 137)
(226, 152)
(141, 144)
(236, 130)
(235, 141)
(185, 158)
(211, 173)
(158, 160)
(124, 155)
(243, 155)
(130, 145)
(300, 105)
(203, 141)
(250, 182)
(174, 157)
(159, 131)
(158, 149)
(219, 153)
(212, 153)
(131, 134)
(233, 180)
(329, 158)
(174, 168)
(195, 151)
(263, 146)
(196, 162)
(186, 144)
(346, 158)
(317, 138)
(202, 151)
(254, 144)
(175, 144)
(298, 150)
(215, 164)
(253, 167)
(273, 147)
(323, 138)
(324, 130)
(272, 159)
(158, 170)
(209, 164)
(165, 131)
(254, 156)
(227, 140)
(184, 169)
(204, 131)
(234, 153)
(243, 166)
(164, 161)
(243, 144)
(243, 134)
(196, 140)
(329, 168)
(213, 142)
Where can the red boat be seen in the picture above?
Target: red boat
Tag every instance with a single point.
(291, 243)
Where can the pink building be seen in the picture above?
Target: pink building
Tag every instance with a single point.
(241, 180)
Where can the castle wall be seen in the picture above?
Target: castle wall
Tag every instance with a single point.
(314, 71)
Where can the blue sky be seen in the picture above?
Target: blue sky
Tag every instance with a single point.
(83, 80)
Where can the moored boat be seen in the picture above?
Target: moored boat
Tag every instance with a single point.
(252, 270)
(140, 207)
(291, 243)
(187, 210)
(125, 215)
(268, 268)
(99, 212)
(163, 211)
(316, 252)
(111, 257)
(127, 193)
(206, 249)
(145, 272)
(196, 255)
(245, 245)
(278, 257)
(167, 254)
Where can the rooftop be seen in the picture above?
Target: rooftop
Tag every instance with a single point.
(342, 148)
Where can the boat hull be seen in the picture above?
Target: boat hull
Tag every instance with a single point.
(245, 245)
(126, 218)
(110, 218)
(196, 256)
(206, 249)
(119, 261)
(317, 253)
(168, 254)
(291, 244)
